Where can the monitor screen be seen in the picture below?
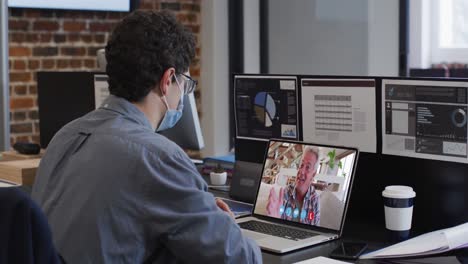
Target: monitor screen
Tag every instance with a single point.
(428, 73)
(425, 119)
(266, 107)
(108, 5)
(305, 183)
(62, 97)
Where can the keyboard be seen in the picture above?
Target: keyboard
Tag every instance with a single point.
(276, 230)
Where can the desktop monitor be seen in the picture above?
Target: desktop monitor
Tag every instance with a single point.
(101, 59)
(62, 97)
(428, 73)
(459, 73)
(109, 5)
(65, 96)
(266, 107)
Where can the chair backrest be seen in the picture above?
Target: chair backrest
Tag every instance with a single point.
(25, 236)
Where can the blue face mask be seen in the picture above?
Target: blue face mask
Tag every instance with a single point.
(172, 116)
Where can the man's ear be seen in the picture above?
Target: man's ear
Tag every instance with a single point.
(166, 80)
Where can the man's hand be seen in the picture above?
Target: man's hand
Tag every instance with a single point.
(275, 202)
(223, 206)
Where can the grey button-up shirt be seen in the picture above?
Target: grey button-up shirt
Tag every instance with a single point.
(114, 191)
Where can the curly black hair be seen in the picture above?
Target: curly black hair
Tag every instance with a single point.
(142, 46)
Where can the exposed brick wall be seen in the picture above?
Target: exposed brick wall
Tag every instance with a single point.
(65, 40)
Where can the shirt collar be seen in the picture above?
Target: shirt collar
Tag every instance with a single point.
(307, 195)
(127, 109)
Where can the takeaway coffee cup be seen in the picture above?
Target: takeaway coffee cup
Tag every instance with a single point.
(398, 205)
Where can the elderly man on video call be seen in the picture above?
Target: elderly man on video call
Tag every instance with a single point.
(299, 201)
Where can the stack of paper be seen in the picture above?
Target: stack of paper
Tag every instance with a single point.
(431, 243)
(321, 260)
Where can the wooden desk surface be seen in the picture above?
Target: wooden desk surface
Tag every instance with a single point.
(22, 172)
(14, 155)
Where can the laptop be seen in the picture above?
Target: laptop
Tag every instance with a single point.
(302, 197)
(245, 180)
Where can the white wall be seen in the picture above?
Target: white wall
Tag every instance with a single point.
(215, 77)
(419, 36)
(383, 38)
(215, 66)
(251, 36)
(318, 37)
(342, 37)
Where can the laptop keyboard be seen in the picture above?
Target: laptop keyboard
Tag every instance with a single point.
(276, 230)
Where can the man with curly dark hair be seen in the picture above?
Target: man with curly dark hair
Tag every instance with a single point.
(114, 191)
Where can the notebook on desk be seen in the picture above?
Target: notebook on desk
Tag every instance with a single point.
(302, 197)
(239, 209)
(242, 188)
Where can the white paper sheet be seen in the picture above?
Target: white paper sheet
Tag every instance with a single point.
(434, 241)
(457, 236)
(339, 112)
(7, 184)
(425, 119)
(430, 243)
(101, 89)
(321, 260)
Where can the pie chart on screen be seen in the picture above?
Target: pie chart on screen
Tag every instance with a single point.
(265, 108)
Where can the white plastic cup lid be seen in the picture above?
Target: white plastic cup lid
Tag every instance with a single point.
(398, 192)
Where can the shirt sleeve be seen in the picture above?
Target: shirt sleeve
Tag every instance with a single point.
(185, 217)
(316, 206)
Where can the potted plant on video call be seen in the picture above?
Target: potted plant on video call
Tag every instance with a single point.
(333, 166)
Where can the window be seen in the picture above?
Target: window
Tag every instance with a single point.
(346, 166)
(449, 33)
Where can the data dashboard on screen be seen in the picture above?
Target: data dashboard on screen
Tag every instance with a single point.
(425, 119)
(266, 107)
(108, 5)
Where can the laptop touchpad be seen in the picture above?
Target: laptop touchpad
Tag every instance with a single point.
(254, 235)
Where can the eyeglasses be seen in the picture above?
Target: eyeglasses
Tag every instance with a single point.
(190, 84)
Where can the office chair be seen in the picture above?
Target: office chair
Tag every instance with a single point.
(25, 236)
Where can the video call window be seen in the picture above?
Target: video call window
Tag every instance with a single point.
(305, 183)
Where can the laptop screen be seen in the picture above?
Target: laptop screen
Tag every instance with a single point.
(306, 183)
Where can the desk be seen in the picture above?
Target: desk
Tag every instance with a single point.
(19, 171)
(325, 250)
(18, 168)
(362, 231)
